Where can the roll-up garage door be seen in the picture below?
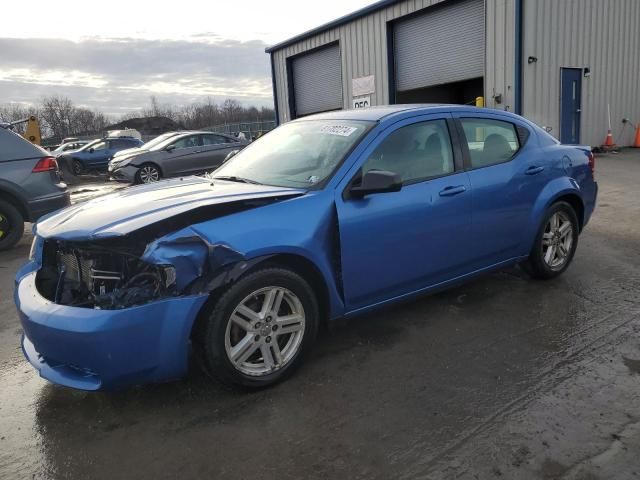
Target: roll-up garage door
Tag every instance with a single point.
(317, 81)
(444, 45)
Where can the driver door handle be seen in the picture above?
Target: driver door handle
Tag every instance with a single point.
(452, 190)
(533, 170)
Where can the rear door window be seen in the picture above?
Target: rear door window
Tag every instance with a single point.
(187, 142)
(213, 140)
(121, 144)
(490, 141)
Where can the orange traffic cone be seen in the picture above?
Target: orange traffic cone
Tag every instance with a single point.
(636, 143)
(608, 142)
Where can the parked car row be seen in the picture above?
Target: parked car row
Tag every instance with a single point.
(95, 155)
(128, 159)
(173, 154)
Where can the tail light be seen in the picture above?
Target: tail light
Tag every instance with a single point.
(45, 164)
(592, 163)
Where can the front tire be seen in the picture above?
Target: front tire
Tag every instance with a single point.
(148, 173)
(555, 244)
(259, 330)
(11, 225)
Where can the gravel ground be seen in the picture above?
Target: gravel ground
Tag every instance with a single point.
(503, 377)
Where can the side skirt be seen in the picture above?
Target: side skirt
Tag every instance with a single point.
(436, 287)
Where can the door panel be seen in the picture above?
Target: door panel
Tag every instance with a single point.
(99, 156)
(506, 179)
(181, 160)
(399, 242)
(213, 154)
(570, 105)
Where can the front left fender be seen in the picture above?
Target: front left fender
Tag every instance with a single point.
(214, 253)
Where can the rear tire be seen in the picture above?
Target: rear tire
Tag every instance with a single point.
(148, 173)
(257, 333)
(555, 244)
(11, 225)
(77, 168)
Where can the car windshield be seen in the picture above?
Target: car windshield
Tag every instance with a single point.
(65, 147)
(158, 140)
(297, 154)
(90, 145)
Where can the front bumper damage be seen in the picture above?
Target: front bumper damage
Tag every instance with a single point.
(92, 349)
(125, 174)
(91, 346)
(114, 286)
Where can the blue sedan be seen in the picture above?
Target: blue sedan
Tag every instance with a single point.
(95, 155)
(327, 216)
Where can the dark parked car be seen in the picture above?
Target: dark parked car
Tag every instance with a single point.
(96, 155)
(325, 217)
(184, 153)
(30, 185)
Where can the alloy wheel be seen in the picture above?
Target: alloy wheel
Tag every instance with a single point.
(149, 173)
(5, 226)
(557, 240)
(77, 167)
(265, 331)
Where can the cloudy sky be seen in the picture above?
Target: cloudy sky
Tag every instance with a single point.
(114, 55)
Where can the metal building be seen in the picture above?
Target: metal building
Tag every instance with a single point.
(560, 63)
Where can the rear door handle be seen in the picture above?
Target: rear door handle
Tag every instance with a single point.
(533, 170)
(452, 190)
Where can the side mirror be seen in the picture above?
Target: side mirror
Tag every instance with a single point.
(231, 154)
(377, 181)
(170, 148)
(91, 150)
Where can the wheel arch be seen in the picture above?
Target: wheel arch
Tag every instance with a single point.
(297, 263)
(560, 189)
(576, 203)
(151, 162)
(14, 199)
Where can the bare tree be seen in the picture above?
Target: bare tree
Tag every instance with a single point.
(12, 112)
(60, 118)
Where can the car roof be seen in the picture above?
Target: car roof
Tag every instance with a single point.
(378, 113)
(192, 132)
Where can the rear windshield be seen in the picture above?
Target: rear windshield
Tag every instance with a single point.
(14, 147)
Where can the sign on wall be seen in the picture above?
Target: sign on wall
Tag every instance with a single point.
(363, 85)
(361, 102)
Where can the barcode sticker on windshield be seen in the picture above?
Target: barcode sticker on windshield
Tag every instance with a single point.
(341, 130)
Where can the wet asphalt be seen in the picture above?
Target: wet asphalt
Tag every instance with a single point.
(504, 377)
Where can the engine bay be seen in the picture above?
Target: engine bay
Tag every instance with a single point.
(101, 277)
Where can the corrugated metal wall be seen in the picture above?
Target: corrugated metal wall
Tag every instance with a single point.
(500, 51)
(603, 35)
(363, 45)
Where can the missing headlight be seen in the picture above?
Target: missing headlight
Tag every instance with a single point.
(96, 277)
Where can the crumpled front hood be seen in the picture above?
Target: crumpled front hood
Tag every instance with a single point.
(132, 208)
(129, 151)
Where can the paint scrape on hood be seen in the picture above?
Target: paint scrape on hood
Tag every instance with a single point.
(128, 210)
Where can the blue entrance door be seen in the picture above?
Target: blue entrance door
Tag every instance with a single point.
(570, 104)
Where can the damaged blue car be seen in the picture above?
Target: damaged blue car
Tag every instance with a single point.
(325, 217)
